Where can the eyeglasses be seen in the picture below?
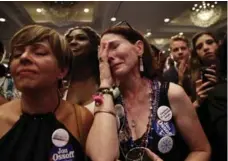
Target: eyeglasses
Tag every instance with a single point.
(123, 23)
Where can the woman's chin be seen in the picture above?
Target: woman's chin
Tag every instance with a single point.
(119, 73)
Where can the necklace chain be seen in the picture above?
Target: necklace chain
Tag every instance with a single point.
(125, 135)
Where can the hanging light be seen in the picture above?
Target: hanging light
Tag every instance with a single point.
(205, 14)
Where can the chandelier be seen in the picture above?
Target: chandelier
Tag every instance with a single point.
(61, 11)
(205, 14)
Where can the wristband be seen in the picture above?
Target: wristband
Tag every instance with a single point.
(108, 112)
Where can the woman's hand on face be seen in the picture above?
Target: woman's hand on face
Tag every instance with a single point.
(152, 155)
(106, 79)
(202, 90)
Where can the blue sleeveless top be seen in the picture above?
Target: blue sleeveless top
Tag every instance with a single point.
(179, 150)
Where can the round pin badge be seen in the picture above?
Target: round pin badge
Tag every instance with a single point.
(165, 144)
(163, 128)
(60, 137)
(164, 113)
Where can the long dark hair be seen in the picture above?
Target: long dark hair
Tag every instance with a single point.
(132, 35)
(222, 51)
(195, 61)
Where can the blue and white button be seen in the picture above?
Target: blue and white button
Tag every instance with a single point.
(163, 128)
(165, 144)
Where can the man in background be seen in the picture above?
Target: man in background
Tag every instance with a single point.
(178, 71)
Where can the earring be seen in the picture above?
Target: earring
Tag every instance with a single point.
(141, 68)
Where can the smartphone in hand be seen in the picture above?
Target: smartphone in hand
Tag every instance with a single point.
(205, 71)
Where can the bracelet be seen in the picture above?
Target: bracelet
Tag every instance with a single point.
(108, 112)
(103, 88)
(114, 92)
(107, 91)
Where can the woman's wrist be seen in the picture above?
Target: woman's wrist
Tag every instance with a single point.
(107, 103)
(105, 85)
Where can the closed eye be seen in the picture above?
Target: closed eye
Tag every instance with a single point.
(41, 53)
(113, 45)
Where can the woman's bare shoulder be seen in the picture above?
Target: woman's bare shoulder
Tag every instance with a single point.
(9, 114)
(175, 91)
(10, 109)
(178, 99)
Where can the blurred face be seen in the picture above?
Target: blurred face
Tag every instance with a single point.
(79, 42)
(122, 55)
(206, 48)
(35, 67)
(179, 50)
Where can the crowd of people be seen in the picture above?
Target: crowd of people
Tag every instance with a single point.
(114, 96)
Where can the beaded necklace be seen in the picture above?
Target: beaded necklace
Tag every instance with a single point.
(125, 135)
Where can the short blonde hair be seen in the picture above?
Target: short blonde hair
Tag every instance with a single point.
(179, 38)
(36, 33)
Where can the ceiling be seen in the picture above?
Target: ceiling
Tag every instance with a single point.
(144, 16)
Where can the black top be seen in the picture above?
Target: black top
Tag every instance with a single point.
(179, 151)
(213, 117)
(30, 139)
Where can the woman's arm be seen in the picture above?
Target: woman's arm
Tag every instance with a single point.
(188, 124)
(102, 143)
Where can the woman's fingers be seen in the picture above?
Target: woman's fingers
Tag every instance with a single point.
(212, 78)
(203, 86)
(106, 79)
(198, 83)
(205, 91)
(212, 71)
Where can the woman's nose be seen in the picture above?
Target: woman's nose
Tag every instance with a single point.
(73, 42)
(205, 47)
(26, 57)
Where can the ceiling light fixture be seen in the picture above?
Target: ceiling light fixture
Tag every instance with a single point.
(148, 33)
(181, 33)
(39, 10)
(166, 20)
(2, 20)
(86, 10)
(206, 14)
(159, 41)
(113, 19)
